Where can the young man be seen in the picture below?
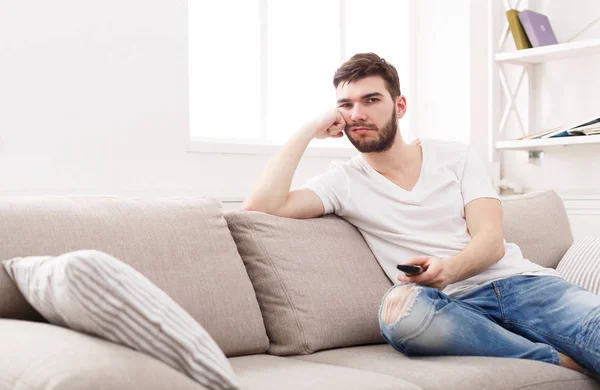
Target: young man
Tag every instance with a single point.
(432, 204)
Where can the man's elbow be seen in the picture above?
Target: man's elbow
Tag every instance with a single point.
(251, 204)
(500, 249)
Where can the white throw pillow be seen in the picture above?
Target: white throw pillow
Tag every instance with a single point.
(581, 264)
(93, 292)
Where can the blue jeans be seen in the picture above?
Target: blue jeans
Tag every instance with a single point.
(527, 317)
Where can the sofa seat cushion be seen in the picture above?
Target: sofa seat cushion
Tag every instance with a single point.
(182, 245)
(455, 372)
(43, 356)
(317, 282)
(267, 372)
(95, 293)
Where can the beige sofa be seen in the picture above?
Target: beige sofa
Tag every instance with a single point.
(292, 303)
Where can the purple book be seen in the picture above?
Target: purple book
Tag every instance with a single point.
(538, 29)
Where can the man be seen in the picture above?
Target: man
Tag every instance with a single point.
(432, 204)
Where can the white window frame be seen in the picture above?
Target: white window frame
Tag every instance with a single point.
(260, 147)
(263, 146)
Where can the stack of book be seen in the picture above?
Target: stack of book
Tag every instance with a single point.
(589, 127)
(530, 29)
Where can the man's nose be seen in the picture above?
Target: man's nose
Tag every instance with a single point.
(358, 115)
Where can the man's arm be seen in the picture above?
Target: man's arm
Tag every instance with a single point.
(272, 193)
(484, 222)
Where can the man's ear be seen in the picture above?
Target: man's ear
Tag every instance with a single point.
(400, 106)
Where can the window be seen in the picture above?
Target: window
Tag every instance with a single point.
(259, 69)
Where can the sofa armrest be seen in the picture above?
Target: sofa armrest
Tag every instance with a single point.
(35, 355)
(581, 264)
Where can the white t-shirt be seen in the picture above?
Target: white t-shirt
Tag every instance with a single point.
(428, 220)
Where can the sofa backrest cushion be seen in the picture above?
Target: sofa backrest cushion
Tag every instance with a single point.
(319, 286)
(316, 280)
(538, 223)
(181, 245)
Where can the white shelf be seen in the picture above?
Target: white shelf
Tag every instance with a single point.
(537, 144)
(559, 51)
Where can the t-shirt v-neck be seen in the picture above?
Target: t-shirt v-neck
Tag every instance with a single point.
(387, 182)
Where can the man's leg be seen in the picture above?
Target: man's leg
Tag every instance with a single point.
(550, 310)
(419, 320)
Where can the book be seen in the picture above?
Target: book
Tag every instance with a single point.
(538, 28)
(517, 31)
(594, 123)
(587, 127)
(540, 134)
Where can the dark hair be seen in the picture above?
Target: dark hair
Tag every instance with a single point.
(368, 64)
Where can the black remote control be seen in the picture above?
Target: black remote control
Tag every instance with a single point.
(410, 269)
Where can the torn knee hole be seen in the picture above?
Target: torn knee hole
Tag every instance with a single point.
(397, 303)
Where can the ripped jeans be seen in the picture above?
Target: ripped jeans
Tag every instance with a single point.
(527, 317)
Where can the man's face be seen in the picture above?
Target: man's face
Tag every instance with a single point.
(370, 114)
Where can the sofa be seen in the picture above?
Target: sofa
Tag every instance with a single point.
(291, 303)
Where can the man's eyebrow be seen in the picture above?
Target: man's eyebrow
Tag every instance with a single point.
(362, 97)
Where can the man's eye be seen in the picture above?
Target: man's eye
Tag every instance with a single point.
(346, 105)
(372, 100)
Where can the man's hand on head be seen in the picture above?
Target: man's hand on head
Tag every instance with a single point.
(330, 125)
(436, 272)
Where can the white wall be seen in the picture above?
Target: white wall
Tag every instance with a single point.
(451, 73)
(478, 80)
(442, 69)
(94, 100)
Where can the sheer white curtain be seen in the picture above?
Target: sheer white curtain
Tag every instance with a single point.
(304, 52)
(224, 69)
(259, 69)
(382, 27)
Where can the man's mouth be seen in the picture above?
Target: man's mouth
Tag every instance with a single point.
(361, 130)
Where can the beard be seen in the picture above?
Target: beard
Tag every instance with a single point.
(385, 140)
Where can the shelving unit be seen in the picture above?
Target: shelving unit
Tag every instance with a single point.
(498, 83)
(538, 55)
(538, 144)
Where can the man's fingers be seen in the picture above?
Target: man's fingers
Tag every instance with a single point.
(422, 279)
(428, 277)
(335, 132)
(417, 260)
(341, 122)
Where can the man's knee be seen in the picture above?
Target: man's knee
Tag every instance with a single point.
(398, 302)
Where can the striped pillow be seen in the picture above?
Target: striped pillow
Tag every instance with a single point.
(93, 292)
(581, 264)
